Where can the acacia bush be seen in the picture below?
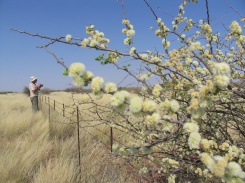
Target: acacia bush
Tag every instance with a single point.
(189, 126)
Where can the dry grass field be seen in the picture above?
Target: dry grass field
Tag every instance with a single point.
(32, 151)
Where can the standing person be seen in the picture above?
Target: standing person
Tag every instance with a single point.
(34, 93)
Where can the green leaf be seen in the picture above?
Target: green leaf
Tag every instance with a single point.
(65, 72)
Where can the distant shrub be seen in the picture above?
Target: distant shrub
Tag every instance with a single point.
(5, 92)
(77, 90)
(46, 91)
(26, 91)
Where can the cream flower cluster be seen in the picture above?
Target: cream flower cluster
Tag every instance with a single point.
(194, 140)
(219, 166)
(170, 106)
(236, 31)
(132, 50)
(167, 126)
(144, 56)
(171, 162)
(207, 30)
(165, 44)
(162, 30)
(221, 72)
(157, 90)
(156, 59)
(68, 38)
(194, 137)
(149, 106)
(113, 57)
(153, 118)
(76, 69)
(174, 105)
(78, 73)
(96, 84)
(97, 38)
(119, 98)
(208, 144)
(191, 127)
(136, 103)
(128, 31)
(235, 28)
(110, 87)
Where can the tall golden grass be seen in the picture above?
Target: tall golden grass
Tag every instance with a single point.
(31, 152)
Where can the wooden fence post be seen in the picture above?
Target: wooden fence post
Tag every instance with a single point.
(49, 117)
(78, 143)
(111, 138)
(63, 110)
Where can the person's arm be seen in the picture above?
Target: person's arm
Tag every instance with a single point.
(36, 88)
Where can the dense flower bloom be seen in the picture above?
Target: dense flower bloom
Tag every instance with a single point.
(220, 166)
(206, 144)
(165, 44)
(135, 104)
(127, 22)
(221, 81)
(110, 87)
(149, 106)
(76, 69)
(130, 33)
(194, 140)
(89, 75)
(174, 105)
(156, 60)
(97, 83)
(235, 28)
(208, 161)
(157, 90)
(171, 178)
(206, 29)
(132, 50)
(234, 169)
(68, 38)
(165, 105)
(167, 126)
(119, 98)
(78, 81)
(127, 41)
(221, 69)
(191, 127)
(84, 43)
(196, 63)
(93, 43)
(144, 56)
(154, 118)
(173, 163)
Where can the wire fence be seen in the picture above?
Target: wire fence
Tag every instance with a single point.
(89, 117)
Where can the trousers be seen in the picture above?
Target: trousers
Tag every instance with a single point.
(34, 102)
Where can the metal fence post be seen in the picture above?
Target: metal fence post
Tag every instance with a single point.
(54, 104)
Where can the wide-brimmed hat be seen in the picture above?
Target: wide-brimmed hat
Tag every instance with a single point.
(33, 78)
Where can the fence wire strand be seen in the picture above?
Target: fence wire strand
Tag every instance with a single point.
(66, 115)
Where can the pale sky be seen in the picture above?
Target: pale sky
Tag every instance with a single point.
(20, 59)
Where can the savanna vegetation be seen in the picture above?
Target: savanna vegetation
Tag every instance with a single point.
(33, 149)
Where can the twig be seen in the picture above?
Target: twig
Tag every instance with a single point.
(234, 9)
(151, 9)
(56, 58)
(124, 10)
